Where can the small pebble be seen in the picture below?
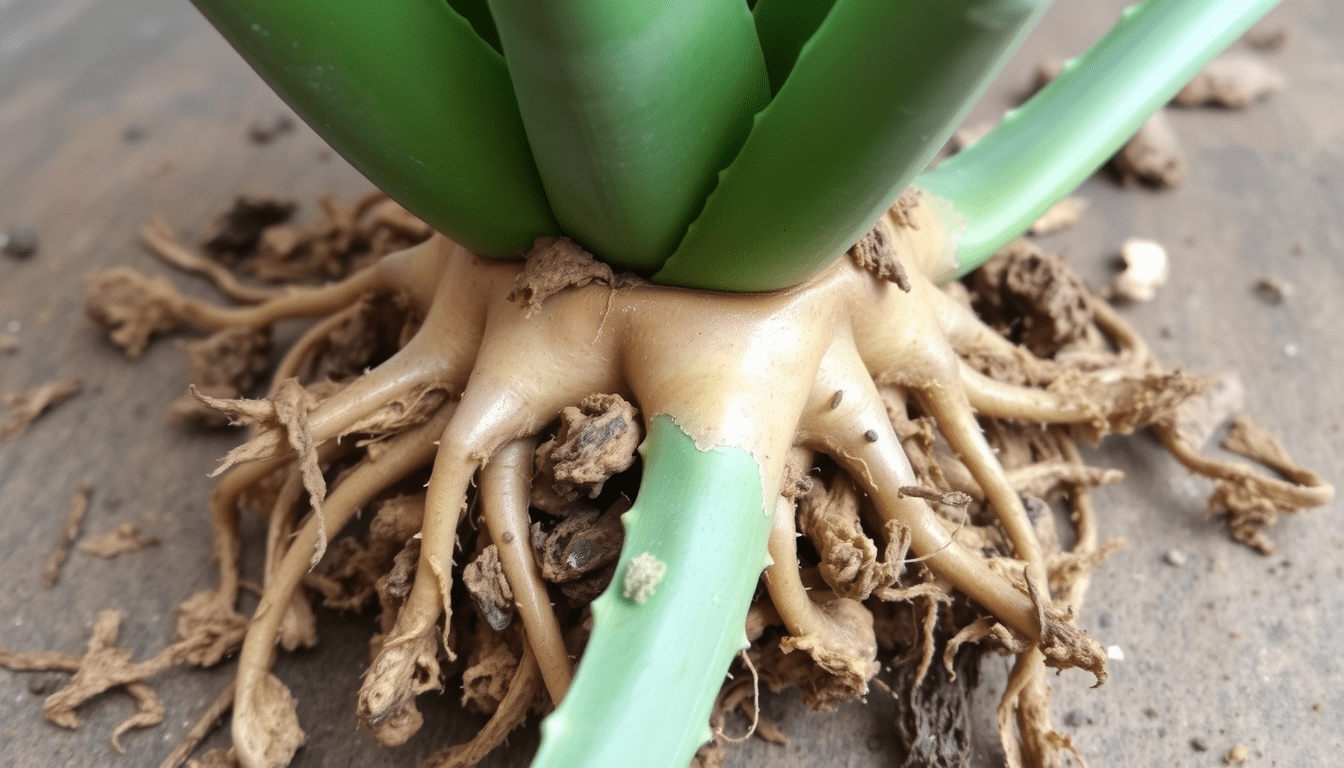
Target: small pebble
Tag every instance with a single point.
(870, 436)
(1174, 557)
(19, 242)
(1199, 745)
(1273, 291)
(1236, 755)
(44, 683)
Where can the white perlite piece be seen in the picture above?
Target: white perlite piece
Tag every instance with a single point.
(1145, 270)
(642, 576)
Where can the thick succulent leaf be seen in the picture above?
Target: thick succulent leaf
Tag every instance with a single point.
(642, 694)
(783, 26)
(477, 13)
(413, 98)
(874, 94)
(1044, 149)
(632, 108)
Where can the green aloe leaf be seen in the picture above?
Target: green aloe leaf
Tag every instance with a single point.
(877, 90)
(631, 109)
(643, 693)
(1044, 149)
(783, 27)
(413, 98)
(477, 13)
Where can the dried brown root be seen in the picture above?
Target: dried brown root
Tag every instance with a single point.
(74, 518)
(1232, 80)
(1153, 155)
(512, 710)
(159, 240)
(1252, 501)
(836, 632)
(257, 699)
(207, 722)
(26, 406)
(103, 667)
(124, 538)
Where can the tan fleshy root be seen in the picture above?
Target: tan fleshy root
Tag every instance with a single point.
(914, 436)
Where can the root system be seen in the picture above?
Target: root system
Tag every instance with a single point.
(919, 441)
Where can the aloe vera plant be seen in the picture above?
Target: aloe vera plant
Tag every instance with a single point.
(730, 155)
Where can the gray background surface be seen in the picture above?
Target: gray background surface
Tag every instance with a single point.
(1229, 647)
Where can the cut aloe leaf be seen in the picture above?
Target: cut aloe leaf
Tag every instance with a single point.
(643, 693)
(413, 98)
(875, 92)
(1044, 149)
(632, 108)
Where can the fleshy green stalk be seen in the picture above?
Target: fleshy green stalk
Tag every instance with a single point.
(413, 98)
(632, 108)
(873, 95)
(1043, 150)
(644, 690)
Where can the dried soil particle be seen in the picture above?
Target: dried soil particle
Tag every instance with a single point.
(132, 307)
(1237, 755)
(484, 580)
(1266, 37)
(1273, 292)
(124, 538)
(262, 133)
(1153, 155)
(1232, 80)
(208, 628)
(239, 229)
(1033, 298)
(829, 518)
(876, 253)
(223, 366)
(595, 440)
(215, 758)
(906, 202)
(26, 406)
(553, 265)
(19, 242)
(933, 719)
(581, 543)
(1061, 216)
